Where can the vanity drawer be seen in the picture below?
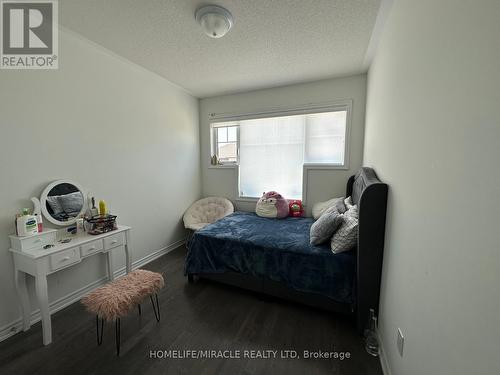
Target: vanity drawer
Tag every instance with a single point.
(114, 241)
(64, 258)
(35, 241)
(91, 248)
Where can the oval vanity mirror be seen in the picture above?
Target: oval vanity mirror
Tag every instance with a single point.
(62, 202)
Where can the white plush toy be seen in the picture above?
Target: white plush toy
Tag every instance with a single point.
(272, 205)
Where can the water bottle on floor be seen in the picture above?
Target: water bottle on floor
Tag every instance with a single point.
(371, 339)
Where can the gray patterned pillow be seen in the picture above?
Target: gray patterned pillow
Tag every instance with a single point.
(54, 204)
(320, 207)
(72, 203)
(323, 228)
(346, 237)
(348, 202)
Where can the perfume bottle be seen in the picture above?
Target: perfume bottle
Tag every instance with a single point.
(371, 339)
(93, 209)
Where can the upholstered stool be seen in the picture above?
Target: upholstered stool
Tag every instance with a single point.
(117, 298)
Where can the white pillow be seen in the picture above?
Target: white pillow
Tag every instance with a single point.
(348, 203)
(320, 207)
(346, 237)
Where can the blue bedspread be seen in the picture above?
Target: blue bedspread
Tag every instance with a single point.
(277, 249)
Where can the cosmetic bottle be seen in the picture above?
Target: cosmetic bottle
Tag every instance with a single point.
(102, 208)
(80, 225)
(15, 223)
(93, 210)
(26, 224)
(37, 211)
(39, 222)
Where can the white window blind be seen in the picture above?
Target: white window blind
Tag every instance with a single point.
(271, 156)
(325, 137)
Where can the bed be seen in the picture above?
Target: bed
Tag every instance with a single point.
(274, 256)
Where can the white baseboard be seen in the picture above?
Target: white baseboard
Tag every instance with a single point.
(16, 326)
(383, 358)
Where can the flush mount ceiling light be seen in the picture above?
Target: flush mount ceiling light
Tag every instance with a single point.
(215, 20)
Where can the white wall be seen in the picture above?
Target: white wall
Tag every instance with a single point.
(433, 134)
(322, 185)
(127, 135)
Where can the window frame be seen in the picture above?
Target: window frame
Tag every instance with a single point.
(336, 106)
(214, 144)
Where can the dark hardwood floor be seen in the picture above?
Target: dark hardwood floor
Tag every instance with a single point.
(199, 316)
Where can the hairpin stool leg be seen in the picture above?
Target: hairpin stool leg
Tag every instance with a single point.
(117, 335)
(156, 308)
(99, 335)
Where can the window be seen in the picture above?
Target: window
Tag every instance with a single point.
(272, 151)
(225, 142)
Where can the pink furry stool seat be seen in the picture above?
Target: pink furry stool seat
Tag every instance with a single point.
(115, 299)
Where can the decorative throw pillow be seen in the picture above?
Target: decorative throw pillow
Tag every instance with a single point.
(323, 228)
(72, 203)
(272, 205)
(320, 207)
(346, 237)
(54, 204)
(348, 203)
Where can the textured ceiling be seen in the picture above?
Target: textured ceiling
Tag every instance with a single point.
(272, 43)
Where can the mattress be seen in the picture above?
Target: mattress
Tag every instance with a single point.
(276, 249)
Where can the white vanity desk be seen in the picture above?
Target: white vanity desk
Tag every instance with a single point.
(30, 258)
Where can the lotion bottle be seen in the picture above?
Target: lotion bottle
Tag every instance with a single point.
(27, 224)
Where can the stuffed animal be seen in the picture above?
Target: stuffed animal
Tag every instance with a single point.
(272, 205)
(295, 207)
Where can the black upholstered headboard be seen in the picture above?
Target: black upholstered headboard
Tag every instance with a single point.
(370, 194)
(63, 189)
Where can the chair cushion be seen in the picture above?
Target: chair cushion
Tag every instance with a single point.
(206, 211)
(117, 298)
(196, 226)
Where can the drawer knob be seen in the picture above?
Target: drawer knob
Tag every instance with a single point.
(114, 241)
(91, 248)
(65, 259)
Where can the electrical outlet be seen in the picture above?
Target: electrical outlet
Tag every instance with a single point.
(400, 342)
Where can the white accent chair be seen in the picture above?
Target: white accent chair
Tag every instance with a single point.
(207, 211)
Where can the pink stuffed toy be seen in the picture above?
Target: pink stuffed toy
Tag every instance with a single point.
(272, 205)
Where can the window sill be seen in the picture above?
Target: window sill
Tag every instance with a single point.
(325, 166)
(247, 199)
(305, 165)
(223, 166)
